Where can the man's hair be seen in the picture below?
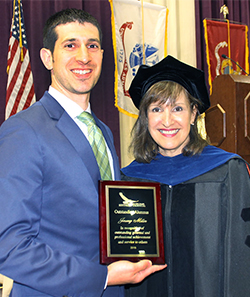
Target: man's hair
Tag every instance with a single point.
(69, 15)
(143, 146)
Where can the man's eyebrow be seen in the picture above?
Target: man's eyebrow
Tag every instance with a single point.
(94, 40)
(88, 40)
(69, 40)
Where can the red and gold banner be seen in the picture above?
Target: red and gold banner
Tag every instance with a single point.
(225, 38)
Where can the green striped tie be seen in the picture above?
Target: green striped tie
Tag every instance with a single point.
(98, 145)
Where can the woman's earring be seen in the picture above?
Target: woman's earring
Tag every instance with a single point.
(192, 124)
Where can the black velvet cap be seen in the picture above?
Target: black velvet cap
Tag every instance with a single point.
(171, 69)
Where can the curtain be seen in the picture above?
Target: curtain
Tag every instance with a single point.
(35, 14)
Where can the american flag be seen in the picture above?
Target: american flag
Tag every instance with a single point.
(20, 88)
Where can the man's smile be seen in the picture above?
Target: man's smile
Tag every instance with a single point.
(81, 71)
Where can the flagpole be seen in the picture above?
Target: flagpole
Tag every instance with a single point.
(143, 37)
(229, 45)
(20, 31)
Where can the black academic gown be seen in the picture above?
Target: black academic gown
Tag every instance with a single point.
(206, 226)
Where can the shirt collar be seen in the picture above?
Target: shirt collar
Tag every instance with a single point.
(72, 108)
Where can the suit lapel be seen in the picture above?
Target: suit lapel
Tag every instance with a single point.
(73, 133)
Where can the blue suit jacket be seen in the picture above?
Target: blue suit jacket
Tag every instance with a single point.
(49, 225)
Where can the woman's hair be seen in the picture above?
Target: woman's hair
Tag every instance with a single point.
(69, 15)
(143, 146)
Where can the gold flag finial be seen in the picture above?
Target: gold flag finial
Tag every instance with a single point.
(224, 10)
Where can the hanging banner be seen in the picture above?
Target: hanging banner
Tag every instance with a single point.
(225, 42)
(139, 32)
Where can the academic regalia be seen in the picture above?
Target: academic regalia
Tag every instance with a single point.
(206, 219)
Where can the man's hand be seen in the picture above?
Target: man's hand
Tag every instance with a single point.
(125, 272)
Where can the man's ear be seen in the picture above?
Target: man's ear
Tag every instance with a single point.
(46, 57)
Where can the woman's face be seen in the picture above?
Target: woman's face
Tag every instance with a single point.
(169, 125)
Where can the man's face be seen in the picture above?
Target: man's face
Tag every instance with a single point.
(77, 59)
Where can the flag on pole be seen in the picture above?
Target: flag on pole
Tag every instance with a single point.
(231, 40)
(20, 88)
(139, 32)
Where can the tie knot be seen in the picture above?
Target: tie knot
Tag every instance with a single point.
(86, 118)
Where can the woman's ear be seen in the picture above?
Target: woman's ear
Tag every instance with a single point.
(194, 113)
(46, 57)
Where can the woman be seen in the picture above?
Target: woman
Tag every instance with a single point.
(205, 190)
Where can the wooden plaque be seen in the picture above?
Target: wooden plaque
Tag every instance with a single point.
(130, 222)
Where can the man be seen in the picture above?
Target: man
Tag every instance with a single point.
(49, 234)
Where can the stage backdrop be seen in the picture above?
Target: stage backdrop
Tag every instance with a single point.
(181, 36)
